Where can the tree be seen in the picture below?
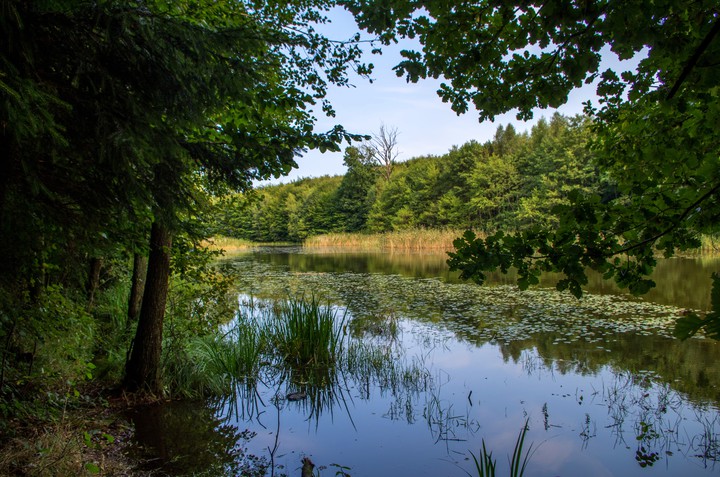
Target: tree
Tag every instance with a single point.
(354, 198)
(382, 148)
(254, 120)
(656, 137)
(121, 117)
(495, 185)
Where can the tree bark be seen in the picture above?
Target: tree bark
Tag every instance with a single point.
(140, 266)
(6, 154)
(142, 369)
(93, 281)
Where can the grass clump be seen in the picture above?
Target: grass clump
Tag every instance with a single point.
(306, 333)
(485, 465)
(300, 338)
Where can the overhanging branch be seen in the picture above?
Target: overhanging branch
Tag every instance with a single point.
(694, 59)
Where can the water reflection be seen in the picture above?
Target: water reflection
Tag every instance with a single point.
(189, 438)
(682, 282)
(433, 366)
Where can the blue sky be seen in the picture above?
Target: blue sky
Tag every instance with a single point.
(425, 124)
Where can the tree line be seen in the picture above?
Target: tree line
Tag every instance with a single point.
(511, 182)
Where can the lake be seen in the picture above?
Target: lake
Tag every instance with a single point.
(436, 366)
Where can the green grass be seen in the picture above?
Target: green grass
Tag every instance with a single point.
(303, 339)
(217, 364)
(306, 333)
(485, 465)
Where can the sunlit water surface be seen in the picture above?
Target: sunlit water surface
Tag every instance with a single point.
(603, 386)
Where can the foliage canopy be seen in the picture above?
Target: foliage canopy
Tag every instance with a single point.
(656, 135)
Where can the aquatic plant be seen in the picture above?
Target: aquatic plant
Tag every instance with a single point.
(237, 354)
(307, 333)
(485, 465)
(413, 239)
(219, 363)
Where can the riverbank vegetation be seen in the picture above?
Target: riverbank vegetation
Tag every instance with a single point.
(414, 239)
(121, 124)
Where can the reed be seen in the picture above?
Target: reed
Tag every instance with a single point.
(236, 356)
(217, 364)
(411, 240)
(228, 244)
(306, 333)
(709, 246)
(442, 240)
(485, 464)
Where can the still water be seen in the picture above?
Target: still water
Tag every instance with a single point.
(604, 388)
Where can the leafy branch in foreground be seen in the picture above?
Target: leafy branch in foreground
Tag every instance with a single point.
(655, 130)
(692, 323)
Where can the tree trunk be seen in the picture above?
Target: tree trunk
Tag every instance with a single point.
(142, 369)
(93, 281)
(140, 266)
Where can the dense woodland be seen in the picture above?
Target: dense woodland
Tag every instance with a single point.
(512, 182)
(120, 123)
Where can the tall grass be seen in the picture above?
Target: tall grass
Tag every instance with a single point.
(307, 333)
(414, 239)
(115, 332)
(303, 338)
(485, 465)
(228, 244)
(217, 365)
(709, 246)
(441, 240)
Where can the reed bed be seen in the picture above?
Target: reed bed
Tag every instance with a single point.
(228, 244)
(415, 240)
(442, 240)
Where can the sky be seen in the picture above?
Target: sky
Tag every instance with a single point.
(425, 125)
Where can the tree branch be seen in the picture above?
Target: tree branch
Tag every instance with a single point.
(669, 229)
(694, 59)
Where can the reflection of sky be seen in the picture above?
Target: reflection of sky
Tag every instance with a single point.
(479, 391)
(484, 397)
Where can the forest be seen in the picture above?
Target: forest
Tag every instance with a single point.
(511, 182)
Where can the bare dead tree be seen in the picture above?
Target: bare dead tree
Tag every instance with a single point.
(383, 149)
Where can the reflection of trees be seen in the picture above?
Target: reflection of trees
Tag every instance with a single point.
(185, 438)
(682, 282)
(375, 300)
(417, 264)
(688, 366)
